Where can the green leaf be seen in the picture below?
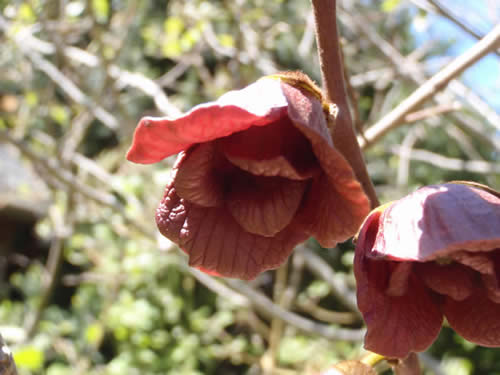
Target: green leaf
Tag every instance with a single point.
(94, 333)
(101, 10)
(389, 5)
(29, 358)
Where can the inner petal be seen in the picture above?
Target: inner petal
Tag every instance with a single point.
(492, 282)
(398, 281)
(454, 280)
(264, 205)
(286, 150)
(200, 176)
(278, 166)
(480, 262)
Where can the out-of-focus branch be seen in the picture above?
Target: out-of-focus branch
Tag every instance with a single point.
(7, 364)
(412, 71)
(431, 87)
(323, 270)
(126, 78)
(267, 307)
(474, 166)
(438, 8)
(332, 73)
(62, 228)
(71, 181)
(431, 112)
(66, 85)
(405, 150)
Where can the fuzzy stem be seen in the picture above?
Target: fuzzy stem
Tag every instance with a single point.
(330, 59)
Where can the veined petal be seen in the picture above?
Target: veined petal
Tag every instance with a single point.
(258, 104)
(477, 318)
(278, 149)
(336, 204)
(197, 178)
(216, 243)
(453, 280)
(264, 205)
(439, 220)
(396, 325)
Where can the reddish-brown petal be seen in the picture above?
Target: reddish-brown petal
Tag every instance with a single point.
(264, 205)
(477, 319)
(278, 149)
(399, 277)
(454, 280)
(216, 243)
(492, 282)
(436, 221)
(278, 166)
(336, 205)
(197, 178)
(398, 325)
(395, 325)
(258, 104)
(480, 262)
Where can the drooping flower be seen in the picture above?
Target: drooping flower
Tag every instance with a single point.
(257, 174)
(434, 253)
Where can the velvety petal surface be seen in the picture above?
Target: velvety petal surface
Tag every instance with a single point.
(258, 104)
(477, 319)
(396, 325)
(336, 205)
(278, 149)
(264, 205)
(198, 179)
(454, 280)
(216, 243)
(438, 220)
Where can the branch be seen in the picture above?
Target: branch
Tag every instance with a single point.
(149, 87)
(332, 75)
(269, 308)
(415, 73)
(431, 87)
(474, 166)
(323, 270)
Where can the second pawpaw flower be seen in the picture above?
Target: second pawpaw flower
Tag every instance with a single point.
(432, 254)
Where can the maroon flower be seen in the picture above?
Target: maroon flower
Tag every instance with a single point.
(257, 174)
(431, 254)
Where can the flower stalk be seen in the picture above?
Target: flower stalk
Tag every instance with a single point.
(344, 138)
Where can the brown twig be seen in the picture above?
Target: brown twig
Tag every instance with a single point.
(428, 89)
(474, 166)
(327, 38)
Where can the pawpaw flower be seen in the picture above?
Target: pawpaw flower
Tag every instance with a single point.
(257, 173)
(433, 254)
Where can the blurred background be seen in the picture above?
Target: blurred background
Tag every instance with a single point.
(87, 286)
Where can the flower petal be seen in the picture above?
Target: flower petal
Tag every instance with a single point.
(198, 179)
(216, 243)
(399, 277)
(264, 205)
(477, 319)
(492, 282)
(278, 149)
(336, 204)
(396, 326)
(438, 220)
(453, 280)
(258, 104)
(480, 262)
